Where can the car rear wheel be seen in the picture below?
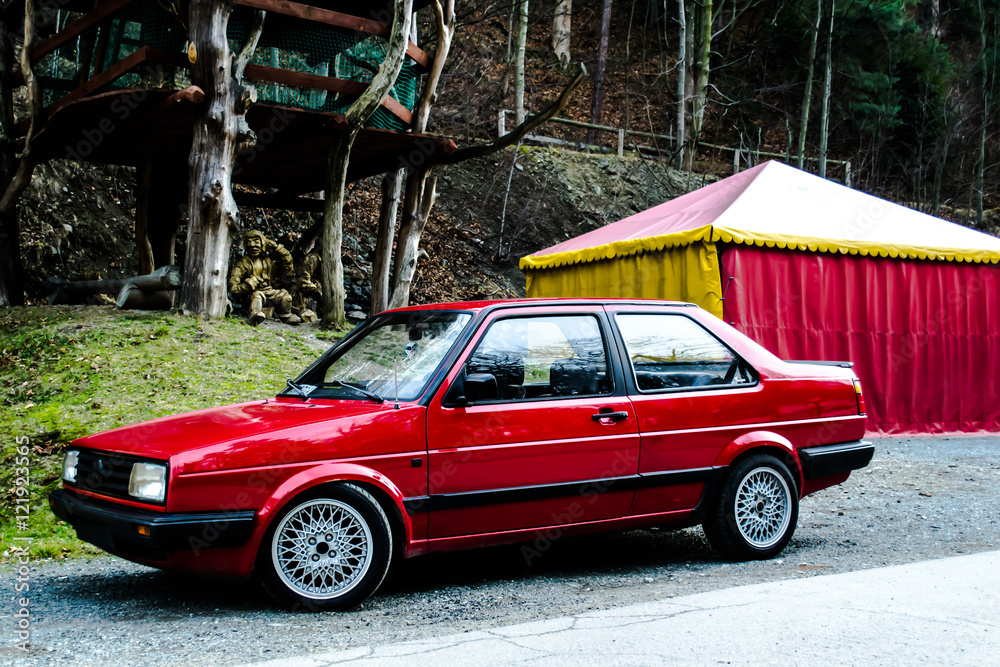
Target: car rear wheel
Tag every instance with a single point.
(328, 551)
(756, 511)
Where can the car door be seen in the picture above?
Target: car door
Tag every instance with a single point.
(545, 451)
(691, 393)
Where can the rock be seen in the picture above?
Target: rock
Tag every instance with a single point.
(356, 315)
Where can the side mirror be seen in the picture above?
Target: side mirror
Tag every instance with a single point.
(481, 387)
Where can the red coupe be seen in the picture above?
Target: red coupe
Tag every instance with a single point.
(462, 425)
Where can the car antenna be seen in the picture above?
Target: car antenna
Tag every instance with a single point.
(395, 378)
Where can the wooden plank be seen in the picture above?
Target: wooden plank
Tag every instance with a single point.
(316, 82)
(106, 77)
(73, 30)
(338, 19)
(281, 202)
(419, 56)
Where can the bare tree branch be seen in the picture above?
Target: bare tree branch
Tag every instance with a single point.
(519, 132)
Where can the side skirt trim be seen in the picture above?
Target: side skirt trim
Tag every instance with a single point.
(450, 501)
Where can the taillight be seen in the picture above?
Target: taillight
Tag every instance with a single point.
(858, 395)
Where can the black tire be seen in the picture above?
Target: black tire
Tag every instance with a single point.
(328, 570)
(756, 510)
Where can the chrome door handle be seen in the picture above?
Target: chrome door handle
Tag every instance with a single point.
(613, 416)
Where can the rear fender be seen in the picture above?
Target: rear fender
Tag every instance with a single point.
(758, 440)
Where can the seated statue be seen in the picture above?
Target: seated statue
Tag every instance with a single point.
(307, 286)
(255, 277)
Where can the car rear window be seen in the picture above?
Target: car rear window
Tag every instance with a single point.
(675, 352)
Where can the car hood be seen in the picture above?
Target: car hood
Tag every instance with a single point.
(216, 437)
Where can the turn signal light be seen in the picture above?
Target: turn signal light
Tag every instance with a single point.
(859, 396)
(143, 530)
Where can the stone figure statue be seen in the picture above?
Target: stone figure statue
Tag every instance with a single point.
(306, 286)
(256, 278)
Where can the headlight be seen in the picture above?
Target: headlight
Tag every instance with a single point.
(69, 465)
(148, 482)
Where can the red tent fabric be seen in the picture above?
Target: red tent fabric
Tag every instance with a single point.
(924, 336)
(816, 270)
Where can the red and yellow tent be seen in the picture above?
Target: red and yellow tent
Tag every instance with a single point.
(816, 270)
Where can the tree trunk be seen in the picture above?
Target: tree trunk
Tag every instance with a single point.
(219, 135)
(331, 241)
(698, 71)
(392, 188)
(987, 78)
(420, 189)
(602, 63)
(159, 204)
(11, 274)
(824, 121)
(419, 197)
(522, 37)
(682, 40)
(807, 95)
(561, 31)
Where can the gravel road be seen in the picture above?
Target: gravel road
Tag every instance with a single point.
(920, 499)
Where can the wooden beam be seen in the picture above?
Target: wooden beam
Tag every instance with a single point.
(288, 77)
(316, 82)
(338, 19)
(280, 202)
(190, 95)
(120, 68)
(73, 30)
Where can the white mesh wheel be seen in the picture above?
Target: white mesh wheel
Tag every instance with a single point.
(763, 507)
(754, 514)
(322, 549)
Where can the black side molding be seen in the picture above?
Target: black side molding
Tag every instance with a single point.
(450, 501)
(842, 364)
(827, 460)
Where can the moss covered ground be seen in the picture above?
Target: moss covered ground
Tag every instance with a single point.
(69, 371)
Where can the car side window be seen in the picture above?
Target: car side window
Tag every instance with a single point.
(544, 357)
(674, 352)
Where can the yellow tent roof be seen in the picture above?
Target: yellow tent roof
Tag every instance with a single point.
(776, 205)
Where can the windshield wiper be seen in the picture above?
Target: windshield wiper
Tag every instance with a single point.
(298, 389)
(364, 392)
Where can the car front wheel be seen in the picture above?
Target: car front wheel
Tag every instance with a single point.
(328, 551)
(756, 511)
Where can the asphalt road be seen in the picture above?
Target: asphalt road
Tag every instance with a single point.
(920, 499)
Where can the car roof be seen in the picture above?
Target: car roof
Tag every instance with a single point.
(522, 303)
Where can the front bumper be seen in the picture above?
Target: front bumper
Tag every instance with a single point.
(827, 460)
(115, 528)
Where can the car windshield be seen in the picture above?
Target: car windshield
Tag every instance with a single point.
(401, 350)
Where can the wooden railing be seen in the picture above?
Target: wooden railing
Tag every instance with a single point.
(98, 21)
(739, 153)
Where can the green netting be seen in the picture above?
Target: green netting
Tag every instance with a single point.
(286, 43)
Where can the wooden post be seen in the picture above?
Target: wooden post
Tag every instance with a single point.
(621, 143)
(219, 135)
(11, 274)
(392, 188)
(11, 280)
(160, 202)
(331, 240)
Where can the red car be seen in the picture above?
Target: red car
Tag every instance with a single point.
(462, 425)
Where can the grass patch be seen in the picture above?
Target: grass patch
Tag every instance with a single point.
(67, 371)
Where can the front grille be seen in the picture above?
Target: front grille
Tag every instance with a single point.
(106, 473)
